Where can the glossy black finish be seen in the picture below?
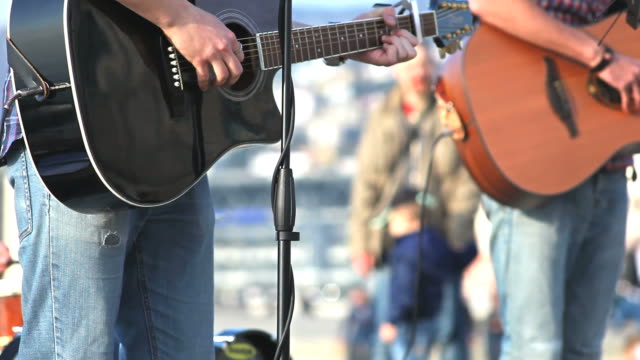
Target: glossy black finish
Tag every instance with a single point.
(149, 141)
(50, 127)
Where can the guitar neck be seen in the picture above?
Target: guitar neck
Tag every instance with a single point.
(331, 40)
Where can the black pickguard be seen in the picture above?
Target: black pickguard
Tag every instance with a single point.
(149, 142)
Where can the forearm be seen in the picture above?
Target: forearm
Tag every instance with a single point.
(163, 13)
(524, 19)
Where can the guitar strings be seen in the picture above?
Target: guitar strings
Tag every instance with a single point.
(441, 15)
(369, 24)
(250, 55)
(302, 40)
(306, 43)
(271, 44)
(274, 43)
(249, 60)
(299, 52)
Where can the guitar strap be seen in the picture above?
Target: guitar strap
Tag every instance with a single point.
(24, 69)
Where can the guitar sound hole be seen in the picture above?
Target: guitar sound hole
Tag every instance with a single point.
(250, 65)
(251, 62)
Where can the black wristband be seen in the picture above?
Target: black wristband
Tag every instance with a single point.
(606, 60)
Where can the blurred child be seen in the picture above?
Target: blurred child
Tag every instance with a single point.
(422, 259)
(358, 327)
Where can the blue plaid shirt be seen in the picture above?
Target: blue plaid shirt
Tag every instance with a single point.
(576, 12)
(10, 127)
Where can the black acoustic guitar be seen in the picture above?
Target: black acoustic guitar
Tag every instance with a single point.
(121, 121)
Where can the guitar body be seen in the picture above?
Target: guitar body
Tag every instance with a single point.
(517, 148)
(122, 122)
(120, 134)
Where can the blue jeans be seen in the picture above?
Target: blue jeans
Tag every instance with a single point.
(141, 277)
(556, 269)
(625, 310)
(425, 334)
(454, 322)
(381, 279)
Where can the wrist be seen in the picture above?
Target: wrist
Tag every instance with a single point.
(594, 56)
(605, 61)
(173, 15)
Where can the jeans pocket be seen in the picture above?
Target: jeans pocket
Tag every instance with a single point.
(19, 180)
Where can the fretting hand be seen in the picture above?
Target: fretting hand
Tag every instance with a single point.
(397, 47)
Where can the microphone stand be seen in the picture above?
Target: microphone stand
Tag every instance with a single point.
(284, 207)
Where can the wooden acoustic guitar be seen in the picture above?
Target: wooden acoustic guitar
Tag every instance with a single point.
(534, 124)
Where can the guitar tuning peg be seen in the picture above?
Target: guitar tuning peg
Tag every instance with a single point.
(452, 48)
(448, 49)
(442, 52)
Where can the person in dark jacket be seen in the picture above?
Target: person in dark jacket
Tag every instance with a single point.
(417, 258)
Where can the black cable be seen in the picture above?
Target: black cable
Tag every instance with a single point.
(423, 213)
(283, 189)
(287, 326)
(274, 181)
(287, 145)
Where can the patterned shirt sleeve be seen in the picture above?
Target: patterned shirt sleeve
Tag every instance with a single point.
(10, 125)
(576, 12)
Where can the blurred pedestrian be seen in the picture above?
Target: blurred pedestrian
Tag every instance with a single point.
(421, 264)
(359, 330)
(393, 153)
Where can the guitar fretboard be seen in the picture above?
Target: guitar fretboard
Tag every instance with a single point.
(338, 39)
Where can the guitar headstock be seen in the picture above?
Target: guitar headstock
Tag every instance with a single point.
(455, 22)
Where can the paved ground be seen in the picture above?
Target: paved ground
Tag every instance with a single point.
(318, 339)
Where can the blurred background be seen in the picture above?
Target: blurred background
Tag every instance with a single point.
(332, 105)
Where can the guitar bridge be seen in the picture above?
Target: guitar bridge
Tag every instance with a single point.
(176, 71)
(559, 98)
